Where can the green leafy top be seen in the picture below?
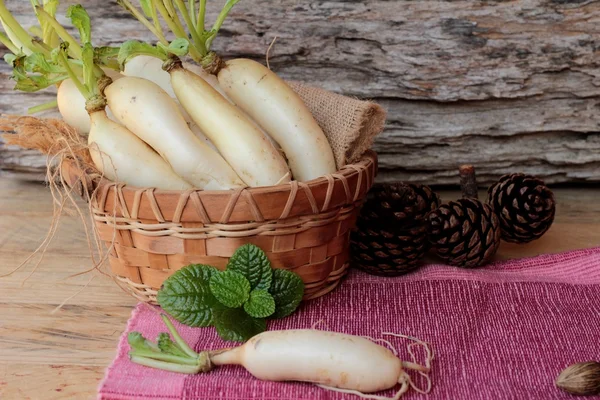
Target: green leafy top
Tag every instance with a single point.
(183, 20)
(235, 301)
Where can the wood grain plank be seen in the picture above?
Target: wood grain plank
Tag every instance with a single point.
(506, 85)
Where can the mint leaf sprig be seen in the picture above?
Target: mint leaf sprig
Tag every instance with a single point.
(236, 301)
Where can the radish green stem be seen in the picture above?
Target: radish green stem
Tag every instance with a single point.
(43, 107)
(173, 23)
(201, 16)
(37, 31)
(8, 44)
(140, 17)
(62, 58)
(164, 357)
(192, 13)
(20, 33)
(74, 47)
(220, 19)
(167, 366)
(191, 28)
(178, 339)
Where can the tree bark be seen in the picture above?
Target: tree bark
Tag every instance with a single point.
(504, 85)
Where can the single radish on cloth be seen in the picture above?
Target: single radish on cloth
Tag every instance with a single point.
(334, 361)
(150, 113)
(268, 100)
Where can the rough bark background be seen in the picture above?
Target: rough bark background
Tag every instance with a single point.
(506, 85)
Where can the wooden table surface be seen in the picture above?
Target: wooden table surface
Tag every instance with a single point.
(63, 354)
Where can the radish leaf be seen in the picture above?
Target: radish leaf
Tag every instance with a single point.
(186, 295)
(287, 289)
(81, 20)
(250, 261)
(231, 288)
(260, 304)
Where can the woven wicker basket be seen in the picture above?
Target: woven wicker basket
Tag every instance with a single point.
(303, 227)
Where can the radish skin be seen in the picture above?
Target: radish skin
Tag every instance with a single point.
(151, 114)
(328, 358)
(150, 68)
(268, 100)
(71, 104)
(245, 148)
(123, 157)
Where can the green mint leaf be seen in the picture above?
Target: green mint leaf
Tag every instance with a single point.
(260, 304)
(250, 261)
(287, 289)
(230, 288)
(187, 297)
(81, 20)
(234, 325)
(167, 346)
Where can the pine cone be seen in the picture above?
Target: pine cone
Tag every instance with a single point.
(524, 205)
(391, 234)
(465, 233)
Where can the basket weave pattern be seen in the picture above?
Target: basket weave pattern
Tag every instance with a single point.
(302, 226)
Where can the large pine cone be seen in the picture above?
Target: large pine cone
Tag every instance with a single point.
(524, 205)
(465, 233)
(391, 231)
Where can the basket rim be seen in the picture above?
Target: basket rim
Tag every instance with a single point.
(342, 188)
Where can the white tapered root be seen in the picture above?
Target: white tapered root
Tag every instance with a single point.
(246, 149)
(269, 101)
(123, 157)
(151, 114)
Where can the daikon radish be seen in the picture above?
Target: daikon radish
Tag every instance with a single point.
(268, 100)
(150, 68)
(246, 149)
(71, 104)
(150, 113)
(335, 361)
(123, 157)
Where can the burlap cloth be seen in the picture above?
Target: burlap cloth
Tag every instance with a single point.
(350, 125)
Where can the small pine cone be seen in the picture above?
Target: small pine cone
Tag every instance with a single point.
(524, 205)
(465, 233)
(391, 231)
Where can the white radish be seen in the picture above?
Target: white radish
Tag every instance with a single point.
(268, 100)
(150, 68)
(334, 361)
(71, 104)
(150, 113)
(123, 157)
(328, 358)
(246, 149)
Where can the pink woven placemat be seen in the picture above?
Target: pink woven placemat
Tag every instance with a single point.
(501, 332)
